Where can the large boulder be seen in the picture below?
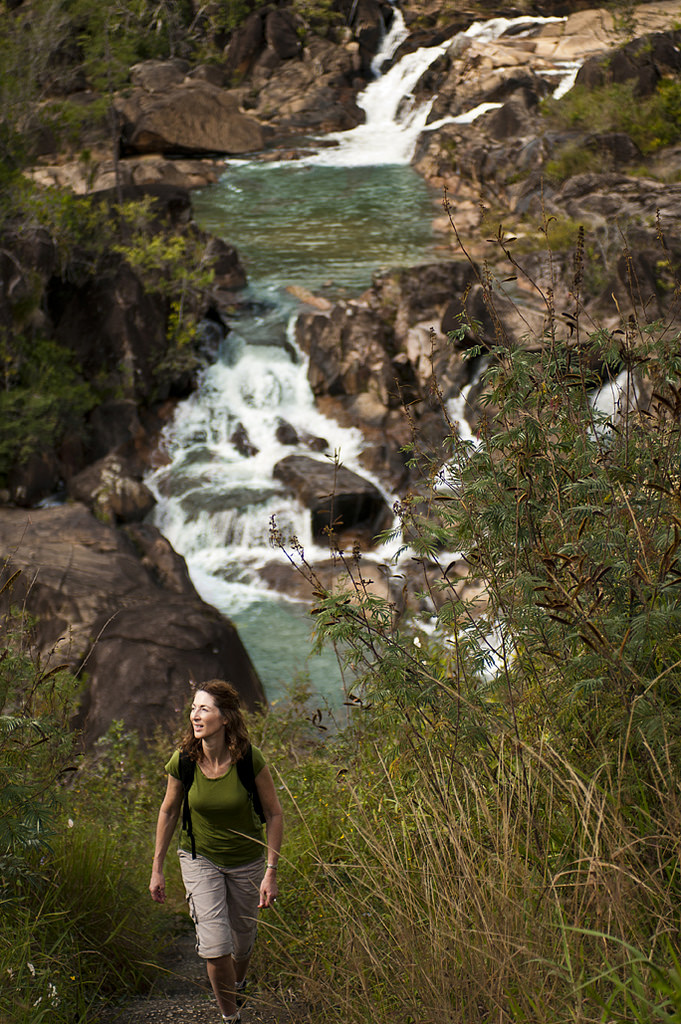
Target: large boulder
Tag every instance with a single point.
(281, 34)
(338, 498)
(245, 46)
(349, 353)
(114, 490)
(119, 609)
(192, 116)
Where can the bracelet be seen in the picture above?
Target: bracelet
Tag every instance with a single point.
(272, 867)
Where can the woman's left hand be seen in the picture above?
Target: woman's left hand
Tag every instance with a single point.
(268, 889)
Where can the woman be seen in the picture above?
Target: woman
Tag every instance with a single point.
(229, 879)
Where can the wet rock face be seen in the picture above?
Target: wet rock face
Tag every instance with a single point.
(119, 608)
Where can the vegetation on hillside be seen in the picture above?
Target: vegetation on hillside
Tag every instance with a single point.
(652, 123)
(505, 835)
(62, 61)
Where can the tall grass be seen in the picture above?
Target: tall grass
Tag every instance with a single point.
(496, 838)
(434, 892)
(76, 934)
(76, 925)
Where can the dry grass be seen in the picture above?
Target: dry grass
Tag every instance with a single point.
(468, 893)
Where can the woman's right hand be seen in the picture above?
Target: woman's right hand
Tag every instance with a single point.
(157, 886)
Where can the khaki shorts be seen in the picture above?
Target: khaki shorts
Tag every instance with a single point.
(223, 903)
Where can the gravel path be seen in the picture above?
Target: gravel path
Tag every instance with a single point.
(183, 996)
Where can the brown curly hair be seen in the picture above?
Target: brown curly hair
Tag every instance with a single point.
(236, 734)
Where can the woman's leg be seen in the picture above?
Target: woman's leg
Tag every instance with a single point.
(243, 895)
(207, 901)
(221, 976)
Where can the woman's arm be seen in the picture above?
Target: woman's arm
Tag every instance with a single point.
(165, 827)
(274, 825)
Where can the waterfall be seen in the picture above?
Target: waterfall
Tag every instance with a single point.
(215, 500)
(394, 120)
(326, 217)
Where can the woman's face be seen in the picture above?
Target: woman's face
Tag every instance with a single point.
(205, 716)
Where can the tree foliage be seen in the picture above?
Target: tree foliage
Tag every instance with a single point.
(566, 521)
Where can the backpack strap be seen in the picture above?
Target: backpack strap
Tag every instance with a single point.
(187, 767)
(246, 773)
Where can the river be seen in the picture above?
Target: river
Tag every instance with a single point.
(327, 221)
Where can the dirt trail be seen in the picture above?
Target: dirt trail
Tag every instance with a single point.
(183, 996)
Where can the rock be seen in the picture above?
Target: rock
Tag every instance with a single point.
(245, 46)
(370, 355)
(368, 26)
(643, 62)
(159, 75)
(210, 73)
(513, 119)
(112, 426)
(348, 352)
(113, 491)
(338, 498)
(314, 443)
(281, 34)
(286, 434)
(193, 117)
(36, 478)
(143, 171)
(167, 569)
(104, 607)
(123, 342)
(316, 93)
(113, 321)
(306, 296)
(242, 442)
(225, 262)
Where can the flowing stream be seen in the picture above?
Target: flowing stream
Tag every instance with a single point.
(329, 220)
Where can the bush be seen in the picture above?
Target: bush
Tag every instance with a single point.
(78, 934)
(499, 834)
(651, 122)
(75, 846)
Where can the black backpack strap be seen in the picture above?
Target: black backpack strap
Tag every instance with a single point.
(187, 766)
(246, 773)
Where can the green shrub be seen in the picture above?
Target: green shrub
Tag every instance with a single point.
(36, 747)
(498, 835)
(651, 122)
(576, 159)
(79, 934)
(44, 398)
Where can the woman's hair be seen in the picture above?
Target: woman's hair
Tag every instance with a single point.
(236, 734)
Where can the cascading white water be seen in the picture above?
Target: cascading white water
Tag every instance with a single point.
(394, 120)
(215, 501)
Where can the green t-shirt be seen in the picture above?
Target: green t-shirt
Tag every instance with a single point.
(226, 828)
